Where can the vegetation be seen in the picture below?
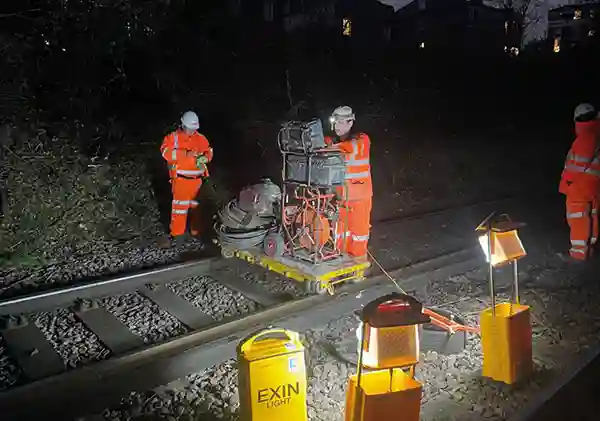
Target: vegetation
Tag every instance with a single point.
(90, 87)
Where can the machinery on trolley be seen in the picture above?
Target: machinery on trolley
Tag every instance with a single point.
(295, 230)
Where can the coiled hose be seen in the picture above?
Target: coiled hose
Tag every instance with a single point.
(241, 240)
(241, 230)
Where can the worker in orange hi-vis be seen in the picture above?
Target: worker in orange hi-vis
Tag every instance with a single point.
(580, 182)
(187, 152)
(354, 225)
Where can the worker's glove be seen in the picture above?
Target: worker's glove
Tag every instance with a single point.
(202, 167)
(201, 159)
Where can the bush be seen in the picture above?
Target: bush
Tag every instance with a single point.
(60, 202)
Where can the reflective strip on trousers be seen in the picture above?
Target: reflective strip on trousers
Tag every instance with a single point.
(343, 235)
(576, 215)
(580, 251)
(185, 202)
(360, 237)
(581, 243)
(179, 211)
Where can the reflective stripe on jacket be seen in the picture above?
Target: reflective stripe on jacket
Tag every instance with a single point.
(357, 150)
(175, 148)
(581, 174)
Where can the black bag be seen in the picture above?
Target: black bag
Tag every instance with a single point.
(299, 136)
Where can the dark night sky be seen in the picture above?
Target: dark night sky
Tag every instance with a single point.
(537, 30)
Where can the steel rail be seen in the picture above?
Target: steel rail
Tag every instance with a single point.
(58, 297)
(91, 388)
(439, 211)
(104, 285)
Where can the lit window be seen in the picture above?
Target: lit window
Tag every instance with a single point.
(346, 27)
(578, 14)
(422, 45)
(556, 45)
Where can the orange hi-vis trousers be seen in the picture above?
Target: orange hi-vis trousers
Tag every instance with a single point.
(582, 217)
(354, 227)
(185, 192)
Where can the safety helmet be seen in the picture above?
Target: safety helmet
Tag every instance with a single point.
(584, 112)
(343, 113)
(190, 120)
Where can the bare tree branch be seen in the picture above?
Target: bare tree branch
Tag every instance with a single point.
(526, 14)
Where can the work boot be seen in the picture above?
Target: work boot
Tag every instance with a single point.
(165, 242)
(570, 260)
(173, 241)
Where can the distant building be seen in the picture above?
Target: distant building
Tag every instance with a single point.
(364, 20)
(456, 25)
(574, 25)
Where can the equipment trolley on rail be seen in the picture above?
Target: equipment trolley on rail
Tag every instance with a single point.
(295, 230)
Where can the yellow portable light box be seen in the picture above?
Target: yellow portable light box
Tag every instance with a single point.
(272, 377)
(389, 341)
(505, 327)
(383, 395)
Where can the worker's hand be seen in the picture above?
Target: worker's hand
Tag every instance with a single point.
(201, 159)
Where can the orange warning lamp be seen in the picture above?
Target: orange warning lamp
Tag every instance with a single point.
(388, 341)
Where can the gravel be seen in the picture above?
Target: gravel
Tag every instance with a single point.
(143, 317)
(565, 323)
(104, 259)
(9, 371)
(213, 298)
(70, 338)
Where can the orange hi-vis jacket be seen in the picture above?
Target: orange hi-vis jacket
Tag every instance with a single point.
(174, 149)
(356, 149)
(581, 175)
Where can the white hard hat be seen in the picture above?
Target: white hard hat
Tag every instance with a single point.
(343, 113)
(190, 120)
(583, 109)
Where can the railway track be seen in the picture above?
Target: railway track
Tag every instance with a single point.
(130, 362)
(132, 365)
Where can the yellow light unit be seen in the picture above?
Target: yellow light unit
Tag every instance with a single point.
(505, 327)
(505, 246)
